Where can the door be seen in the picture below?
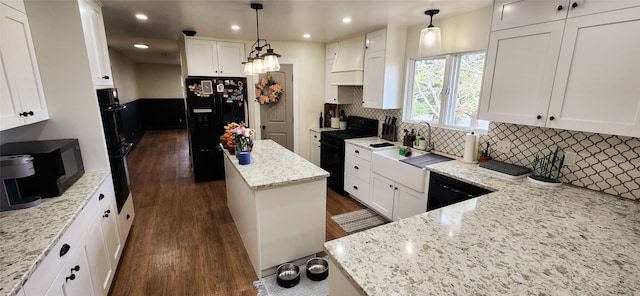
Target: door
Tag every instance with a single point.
(596, 85)
(277, 120)
(518, 76)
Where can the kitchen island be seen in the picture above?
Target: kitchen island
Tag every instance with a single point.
(278, 203)
(522, 239)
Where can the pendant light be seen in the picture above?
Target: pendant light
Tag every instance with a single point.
(430, 37)
(261, 62)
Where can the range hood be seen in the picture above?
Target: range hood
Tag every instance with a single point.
(348, 68)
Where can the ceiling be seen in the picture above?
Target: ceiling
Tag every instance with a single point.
(280, 20)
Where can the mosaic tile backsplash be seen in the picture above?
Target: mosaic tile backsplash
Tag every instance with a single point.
(605, 163)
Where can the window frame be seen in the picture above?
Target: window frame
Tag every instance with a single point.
(448, 96)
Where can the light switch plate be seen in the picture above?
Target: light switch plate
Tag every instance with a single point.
(503, 146)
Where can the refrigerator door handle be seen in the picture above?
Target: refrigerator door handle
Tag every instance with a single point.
(117, 108)
(202, 110)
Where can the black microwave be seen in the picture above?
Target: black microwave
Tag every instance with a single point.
(57, 163)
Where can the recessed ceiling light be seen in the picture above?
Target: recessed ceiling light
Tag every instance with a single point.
(235, 27)
(346, 20)
(140, 45)
(307, 36)
(141, 16)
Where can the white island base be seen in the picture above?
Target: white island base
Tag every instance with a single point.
(277, 224)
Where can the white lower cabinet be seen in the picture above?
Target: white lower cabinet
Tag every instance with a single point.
(85, 258)
(74, 278)
(395, 201)
(314, 144)
(382, 195)
(125, 219)
(357, 172)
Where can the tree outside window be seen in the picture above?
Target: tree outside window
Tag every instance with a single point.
(448, 95)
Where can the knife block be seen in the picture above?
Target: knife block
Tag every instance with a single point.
(388, 132)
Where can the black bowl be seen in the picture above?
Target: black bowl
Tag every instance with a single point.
(317, 269)
(288, 275)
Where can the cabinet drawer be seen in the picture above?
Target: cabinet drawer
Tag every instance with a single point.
(358, 167)
(357, 151)
(356, 187)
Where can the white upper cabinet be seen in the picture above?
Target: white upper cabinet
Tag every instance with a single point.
(384, 66)
(578, 73)
(519, 71)
(597, 85)
(585, 7)
(214, 58)
(330, 91)
(96, 42)
(510, 14)
(22, 98)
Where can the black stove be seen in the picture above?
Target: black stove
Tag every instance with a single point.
(332, 148)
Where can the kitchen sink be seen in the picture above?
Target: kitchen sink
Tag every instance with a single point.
(390, 164)
(394, 153)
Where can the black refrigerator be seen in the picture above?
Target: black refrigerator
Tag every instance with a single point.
(212, 103)
(118, 149)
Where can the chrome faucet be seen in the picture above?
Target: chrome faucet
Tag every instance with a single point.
(429, 144)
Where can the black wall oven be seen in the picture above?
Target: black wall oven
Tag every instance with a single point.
(118, 150)
(332, 148)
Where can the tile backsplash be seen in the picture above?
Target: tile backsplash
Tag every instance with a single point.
(605, 163)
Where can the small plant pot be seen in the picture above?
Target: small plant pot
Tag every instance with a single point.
(232, 149)
(484, 158)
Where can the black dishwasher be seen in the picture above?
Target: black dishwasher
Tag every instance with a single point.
(444, 191)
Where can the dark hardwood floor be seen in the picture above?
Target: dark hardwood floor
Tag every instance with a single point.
(183, 240)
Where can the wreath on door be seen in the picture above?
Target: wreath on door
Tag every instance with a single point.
(268, 92)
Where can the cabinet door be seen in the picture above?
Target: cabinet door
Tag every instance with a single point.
(74, 278)
(373, 87)
(202, 57)
(78, 281)
(596, 86)
(21, 84)
(585, 7)
(230, 58)
(382, 193)
(111, 234)
(98, 255)
(510, 14)
(314, 144)
(331, 91)
(96, 42)
(519, 72)
(408, 203)
(376, 41)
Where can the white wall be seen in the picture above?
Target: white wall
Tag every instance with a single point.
(57, 34)
(464, 32)
(309, 60)
(159, 81)
(124, 76)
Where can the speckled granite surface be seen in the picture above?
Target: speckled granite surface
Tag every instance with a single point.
(273, 165)
(523, 239)
(323, 129)
(28, 235)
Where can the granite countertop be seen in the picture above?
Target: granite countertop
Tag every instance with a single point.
(323, 129)
(522, 239)
(29, 234)
(273, 165)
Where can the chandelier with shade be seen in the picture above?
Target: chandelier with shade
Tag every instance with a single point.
(259, 62)
(429, 37)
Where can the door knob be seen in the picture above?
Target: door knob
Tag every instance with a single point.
(560, 7)
(552, 118)
(539, 117)
(105, 77)
(263, 126)
(574, 5)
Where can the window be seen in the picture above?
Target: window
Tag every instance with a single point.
(445, 91)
